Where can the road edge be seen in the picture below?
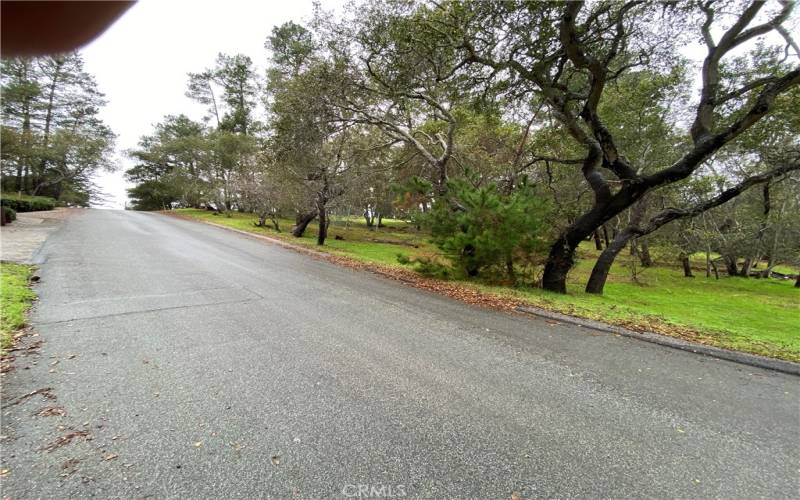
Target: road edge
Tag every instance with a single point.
(744, 358)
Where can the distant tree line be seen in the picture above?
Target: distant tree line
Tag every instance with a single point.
(514, 131)
(53, 141)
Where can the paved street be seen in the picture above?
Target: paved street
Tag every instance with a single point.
(193, 362)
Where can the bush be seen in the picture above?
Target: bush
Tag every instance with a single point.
(481, 229)
(426, 266)
(9, 215)
(27, 203)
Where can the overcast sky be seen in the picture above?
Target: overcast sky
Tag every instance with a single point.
(142, 60)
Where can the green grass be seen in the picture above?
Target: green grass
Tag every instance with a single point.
(358, 240)
(759, 316)
(15, 300)
(754, 315)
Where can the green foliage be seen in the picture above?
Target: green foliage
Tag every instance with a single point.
(427, 266)
(481, 229)
(229, 89)
(291, 44)
(411, 194)
(9, 214)
(53, 140)
(25, 203)
(153, 195)
(15, 299)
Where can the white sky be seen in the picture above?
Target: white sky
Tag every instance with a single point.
(142, 60)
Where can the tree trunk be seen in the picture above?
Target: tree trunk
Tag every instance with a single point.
(598, 244)
(606, 239)
(644, 254)
(510, 269)
(731, 266)
(687, 266)
(746, 265)
(714, 267)
(559, 262)
(27, 180)
(441, 182)
(47, 124)
(597, 281)
(27, 139)
(323, 221)
(797, 282)
(562, 253)
(369, 217)
(322, 201)
(302, 222)
(380, 220)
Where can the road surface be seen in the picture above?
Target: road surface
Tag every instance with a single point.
(193, 362)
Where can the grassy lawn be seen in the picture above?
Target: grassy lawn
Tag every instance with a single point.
(359, 242)
(754, 315)
(759, 316)
(15, 300)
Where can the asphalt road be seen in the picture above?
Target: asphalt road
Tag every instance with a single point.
(206, 364)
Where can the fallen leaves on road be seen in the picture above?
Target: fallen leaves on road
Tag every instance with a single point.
(69, 467)
(46, 393)
(65, 439)
(276, 460)
(454, 290)
(110, 456)
(198, 444)
(29, 348)
(52, 411)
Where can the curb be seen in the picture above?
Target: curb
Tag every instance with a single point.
(277, 241)
(715, 352)
(744, 358)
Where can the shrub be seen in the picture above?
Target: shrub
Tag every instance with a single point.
(27, 203)
(481, 229)
(9, 214)
(426, 266)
